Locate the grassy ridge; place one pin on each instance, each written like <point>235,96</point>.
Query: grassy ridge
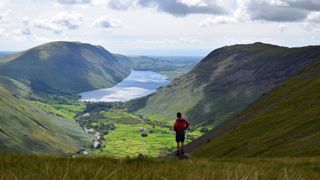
<point>284,122</point>
<point>35,167</point>
<point>226,81</point>
<point>64,68</point>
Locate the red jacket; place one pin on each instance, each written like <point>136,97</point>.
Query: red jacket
<point>180,125</point>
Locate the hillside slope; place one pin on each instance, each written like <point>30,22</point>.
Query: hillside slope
<point>284,122</point>
<point>64,68</point>
<point>27,129</point>
<point>225,82</point>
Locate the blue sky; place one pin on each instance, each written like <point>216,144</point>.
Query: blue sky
<point>159,27</point>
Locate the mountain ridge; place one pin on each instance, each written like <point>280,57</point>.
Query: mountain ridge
<point>45,67</point>
<point>226,81</point>
<point>277,124</point>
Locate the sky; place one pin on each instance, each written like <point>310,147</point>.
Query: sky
<point>159,27</point>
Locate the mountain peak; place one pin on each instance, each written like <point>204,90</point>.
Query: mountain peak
<point>46,67</point>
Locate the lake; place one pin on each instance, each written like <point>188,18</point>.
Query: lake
<point>137,84</point>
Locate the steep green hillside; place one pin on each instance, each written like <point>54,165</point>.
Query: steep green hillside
<point>25,128</point>
<point>284,122</point>
<point>225,82</point>
<point>64,68</point>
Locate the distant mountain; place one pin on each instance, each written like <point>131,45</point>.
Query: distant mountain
<point>5,53</point>
<point>284,122</point>
<point>64,68</point>
<point>27,129</point>
<point>172,67</point>
<point>225,82</point>
<point>144,63</point>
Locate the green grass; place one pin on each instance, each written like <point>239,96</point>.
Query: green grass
<point>41,167</point>
<point>126,140</point>
<point>26,128</point>
<point>119,115</point>
<point>62,110</point>
<point>284,122</point>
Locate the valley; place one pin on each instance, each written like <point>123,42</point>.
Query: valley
<point>250,106</point>
<point>121,134</point>
<point>109,128</point>
<point>160,89</point>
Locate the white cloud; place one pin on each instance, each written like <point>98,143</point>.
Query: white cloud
<point>210,21</point>
<point>312,27</point>
<point>72,2</point>
<point>314,17</point>
<point>107,22</point>
<point>69,20</point>
<point>186,40</point>
<point>123,4</point>
<point>47,25</point>
<point>178,41</point>
<point>61,22</point>
<point>24,33</point>
<point>25,21</point>
<point>198,3</point>
<point>282,27</point>
<point>16,34</point>
<point>4,11</point>
<point>239,14</point>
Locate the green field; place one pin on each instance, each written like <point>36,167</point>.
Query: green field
<point>40,167</point>
<point>66,111</point>
<point>126,140</point>
<point>123,135</point>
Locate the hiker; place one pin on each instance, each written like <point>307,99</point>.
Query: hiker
<point>179,127</point>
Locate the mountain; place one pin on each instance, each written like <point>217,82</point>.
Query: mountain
<point>284,122</point>
<point>144,63</point>
<point>225,82</point>
<point>63,68</point>
<point>171,66</point>
<point>5,53</point>
<point>27,129</point>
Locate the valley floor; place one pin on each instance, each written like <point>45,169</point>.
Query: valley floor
<point>40,167</point>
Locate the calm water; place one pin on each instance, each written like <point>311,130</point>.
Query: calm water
<point>137,84</point>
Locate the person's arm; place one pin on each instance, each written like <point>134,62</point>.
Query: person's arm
<point>174,126</point>
<point>187,125</point>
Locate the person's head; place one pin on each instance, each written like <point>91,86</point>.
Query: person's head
<point>179,115</point>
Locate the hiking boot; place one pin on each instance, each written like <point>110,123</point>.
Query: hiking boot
<point>182,152</point>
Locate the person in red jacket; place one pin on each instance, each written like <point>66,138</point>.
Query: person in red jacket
<point>179,127</point>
